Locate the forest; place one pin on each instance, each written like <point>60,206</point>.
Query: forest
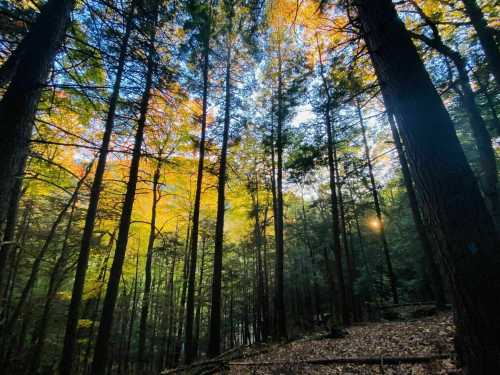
<point>249,187</point>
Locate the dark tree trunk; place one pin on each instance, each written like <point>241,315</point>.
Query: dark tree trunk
<point>14,260</point>
<point>19,103</point>
<point>361,243</point>
<point>104,334</point>
<point>351,273</point>
<point>279,299</point>
<point>189,345</point>
<point>199,293</point>
<point>450,193</point>
<point>487,158</point>
<point>215,312</point>
<point>56,277</point>
<point>68,351</point>
<point>182,302</point>
<point>342,311</point>
<point>39,258</point>
<point>8,240</point>
<point>378,211</point>
<point>261,303</point>
<point>101,277</point>
<point>266,316</point>
<point>431,265</point>
<point>486,36</point>
<point>275,211</point>
<point>170,308</point>
<point>149,263</point>
<point>132,312</point>
<point>315,297</point>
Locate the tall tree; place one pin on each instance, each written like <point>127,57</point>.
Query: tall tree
<point>215,312</point>
<point>342,312</point>
<point>449,190</point>
<point>103,336</point>
<point>205,30</point>
<point>19,103</point>
<point>378,208</point>
<point>482,137</point>
<point>279,298</point>
<point>147,271</point>
<point>486,36</point>
<point>66,362</point>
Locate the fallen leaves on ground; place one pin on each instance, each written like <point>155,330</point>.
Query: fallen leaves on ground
<point>427,336</point>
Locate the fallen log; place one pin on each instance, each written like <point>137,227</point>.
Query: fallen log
<point>425,303</point>
<point>194,366</point>
<point>345,360</point>
<point>218,361</point>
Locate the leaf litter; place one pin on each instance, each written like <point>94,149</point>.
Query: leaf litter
<point>423,337</point>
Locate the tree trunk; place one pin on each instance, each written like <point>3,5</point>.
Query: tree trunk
<point>215,312</point>
<point>432,267</point>
<point>185,276</point>
<point>450,193</point>
<point>103,336</point>
<point>149,263</point>
<point>342,312</point>
<point>134,309</point>
<point>8,239</point>
<point>490,101</point>
<point>39,258</point>
<point>315,297</point>
<point>378,211</point>
<point>19,103</point>
<point>200,296</point>
<point>487,158</point>
<point>189,345</point>
<point>68,351</point>
<point>56,277</point>
<point>279,299</point>
<point>351,274</point>
<point>101,278</point>
<point>486,36</point>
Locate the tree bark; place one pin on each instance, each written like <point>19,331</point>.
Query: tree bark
<point>279,298</point>
<point>215,311</point>
<point>104,334</point>
<point>189,345</point>
<point>450,193</point>
<point>19,103</point>
<point>342,312</point>
<point>378,211</point>
<point>185,276</point>
<point>486,36</point>
<point>68,351</point>
<point>56,277</point>
<point>200,296</point>
<point>149,263</point>
<point>487,158</point>
<point>8,239</point>
<point>39,258</point>
<point>431,265</point>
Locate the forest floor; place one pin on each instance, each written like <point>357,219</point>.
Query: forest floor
<point>430,336</point>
